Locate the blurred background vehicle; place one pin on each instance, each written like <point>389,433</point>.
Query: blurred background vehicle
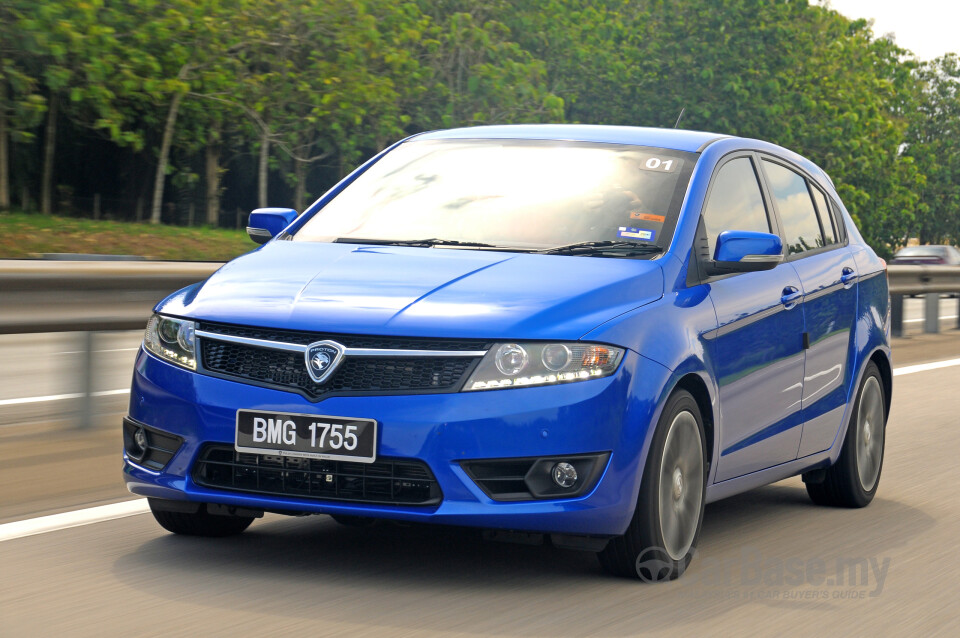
<point>929,255</point>
<point>939,255</point>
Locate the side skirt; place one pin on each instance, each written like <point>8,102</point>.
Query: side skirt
<point>723,489</point>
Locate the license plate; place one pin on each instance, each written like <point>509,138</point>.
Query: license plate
<point>307,436</point>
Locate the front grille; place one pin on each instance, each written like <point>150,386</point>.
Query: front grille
<point>387,481</point>
<point>287,370</point>
<point>351,341</point>
<point>261,365</point>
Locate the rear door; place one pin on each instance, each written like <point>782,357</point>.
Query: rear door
<point>818,251</point>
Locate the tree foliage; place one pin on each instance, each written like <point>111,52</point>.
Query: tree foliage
<point>933,142</point>
<point>273,100</point>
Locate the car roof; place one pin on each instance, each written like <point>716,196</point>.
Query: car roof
<point>675,139</point>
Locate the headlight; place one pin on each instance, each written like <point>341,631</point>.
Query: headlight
<point>172,340</point>
<point>510,365</point>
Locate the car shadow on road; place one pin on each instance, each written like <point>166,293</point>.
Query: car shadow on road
<point>426,578</point>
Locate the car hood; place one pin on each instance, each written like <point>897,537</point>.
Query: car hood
<point>411,291</point>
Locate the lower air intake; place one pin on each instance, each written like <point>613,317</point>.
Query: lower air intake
<point>387,481</point>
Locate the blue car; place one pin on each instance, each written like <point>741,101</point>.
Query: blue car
<point>581,333</point>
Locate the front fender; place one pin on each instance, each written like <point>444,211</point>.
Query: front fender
<point>675,332</point>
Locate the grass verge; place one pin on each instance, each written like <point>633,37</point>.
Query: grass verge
<point>26,235</point>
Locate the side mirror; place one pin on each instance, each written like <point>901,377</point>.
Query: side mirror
<point>746,251</point>
<point>266,223</point>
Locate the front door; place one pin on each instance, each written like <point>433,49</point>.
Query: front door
<point>758,347</point>
<point>759,361</point>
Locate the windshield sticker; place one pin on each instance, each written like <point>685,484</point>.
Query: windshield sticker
<point>648,217</point>
<point>659,164</point>
<point>626,232</point>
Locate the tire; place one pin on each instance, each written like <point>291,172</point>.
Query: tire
<point>675,464</point>
<point>853,480</point>
<point>200,523</point>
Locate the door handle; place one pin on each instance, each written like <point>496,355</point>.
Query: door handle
<point>790,297</point>
<point>848,276</point>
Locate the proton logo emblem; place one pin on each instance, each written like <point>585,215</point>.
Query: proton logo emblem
<point>320,361</point>
<point>322,358</point>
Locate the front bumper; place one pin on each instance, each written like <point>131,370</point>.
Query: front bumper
<point>612,415</point>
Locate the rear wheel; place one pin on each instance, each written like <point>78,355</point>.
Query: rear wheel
<point>200,523</point>
<point>661,539</point>
<point>852,481</point>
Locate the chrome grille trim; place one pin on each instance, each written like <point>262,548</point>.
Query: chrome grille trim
<point>347,352</point>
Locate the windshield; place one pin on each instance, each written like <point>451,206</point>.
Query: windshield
<point>519,194</point>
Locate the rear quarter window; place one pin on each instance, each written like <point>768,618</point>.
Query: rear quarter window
<point>830,233</point>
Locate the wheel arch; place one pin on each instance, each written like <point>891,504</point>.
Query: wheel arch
<point>880,356</point>
<point>882,361</point>
<point>695,385</point>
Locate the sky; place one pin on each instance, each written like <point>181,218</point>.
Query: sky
<point>929,28</point>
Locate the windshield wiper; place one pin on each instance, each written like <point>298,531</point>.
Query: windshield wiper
<point>609,246</point>
<point>426,243</point>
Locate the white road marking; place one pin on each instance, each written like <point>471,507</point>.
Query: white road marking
<point>60,397</point>
<point>918,320</point>
<point>132,349</point>
<point>923,367</point>
<point>54,522</point>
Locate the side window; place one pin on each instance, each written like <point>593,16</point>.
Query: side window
<point>799,218</point>
<point>735,202</point>
<point>838,220</point>
<point>826,217</point>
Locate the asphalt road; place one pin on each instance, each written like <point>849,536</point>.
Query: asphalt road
<point>770,562</point>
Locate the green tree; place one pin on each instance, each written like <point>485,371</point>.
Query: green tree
<point>933,141</point>
<point>313,87</point>
<point>479,75</point>
<point>73,64</point>
<point>21,106</point>
<point>798,75</point>
<point>53,42</point>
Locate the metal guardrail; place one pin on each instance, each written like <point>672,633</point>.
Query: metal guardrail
<point>87,297</point>
<point>90,296</point>
<point>918,280</point>
<point>65,296</point>
<point>930,281</point>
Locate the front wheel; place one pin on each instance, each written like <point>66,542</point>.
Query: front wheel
<point>852,481</point>
<point>661,539</point>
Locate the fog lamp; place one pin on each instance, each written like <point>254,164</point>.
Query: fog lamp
<point>139,440</point>
<point>564,474</point>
